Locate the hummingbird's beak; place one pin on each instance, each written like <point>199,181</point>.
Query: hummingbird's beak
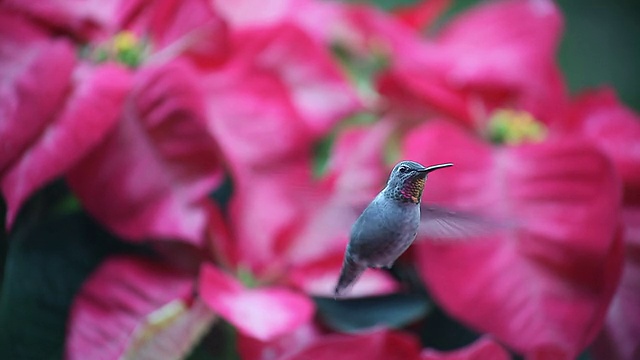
<point>435,167</point>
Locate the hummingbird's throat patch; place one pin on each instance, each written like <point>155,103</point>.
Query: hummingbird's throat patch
<point>412,190</point>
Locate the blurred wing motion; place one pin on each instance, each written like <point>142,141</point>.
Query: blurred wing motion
<point>438,223</point>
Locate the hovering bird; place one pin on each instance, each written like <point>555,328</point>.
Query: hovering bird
<point>389,224</point>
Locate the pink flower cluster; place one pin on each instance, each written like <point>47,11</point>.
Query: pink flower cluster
<point>145,107</point>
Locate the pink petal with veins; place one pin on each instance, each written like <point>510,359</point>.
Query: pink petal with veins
<point>36,75</point>
<point>152,175</point>
<point>90,113</point>
<point>115,301</point>
<point>262,313</point>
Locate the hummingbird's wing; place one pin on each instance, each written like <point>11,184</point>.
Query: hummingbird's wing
<point>442,223</point>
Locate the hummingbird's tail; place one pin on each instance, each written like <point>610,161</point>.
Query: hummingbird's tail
<point>348,275</point>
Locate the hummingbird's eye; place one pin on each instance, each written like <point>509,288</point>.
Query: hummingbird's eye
<point>403,169</point>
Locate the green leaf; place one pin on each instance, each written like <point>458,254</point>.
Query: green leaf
<point>393,311</point>
<point>444,333</point>
<point>47,262</point>
<point>219,344</point>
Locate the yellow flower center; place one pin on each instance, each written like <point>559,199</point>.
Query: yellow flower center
<point>124,41</point>
<point>515,127</point>
<point>125,47</point>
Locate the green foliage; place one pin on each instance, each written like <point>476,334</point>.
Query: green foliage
<point>46,265</point>
<point>444,333</point>
<point>51,250</point>
<point>600,46</point>
<point>220,343</point>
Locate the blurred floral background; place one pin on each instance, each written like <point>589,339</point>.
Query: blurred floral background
<point>179,178</point>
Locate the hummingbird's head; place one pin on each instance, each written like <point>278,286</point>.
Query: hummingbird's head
<point>407,179</point>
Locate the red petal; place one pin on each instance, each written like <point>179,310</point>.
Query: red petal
<point>615,129</point>
<point>283,80</point>
<point>152,175</point>
<point>483,349</point>
<point>381,344</point>
<point>261,313</point>
<point>114,304</point>
<point>542,287</point>
<point>91,111</point>
<point>36,75</point>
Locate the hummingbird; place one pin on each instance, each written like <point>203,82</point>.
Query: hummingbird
<point>389,224</point>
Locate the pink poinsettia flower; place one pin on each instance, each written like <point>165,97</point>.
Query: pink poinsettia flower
<point>132,142</point>
<point>49,125</point>
<point>310,343</point>
<point>554,266</point>
<point>499,52</point>
<point>542,285</point>
<point>299,247</point>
